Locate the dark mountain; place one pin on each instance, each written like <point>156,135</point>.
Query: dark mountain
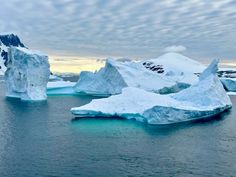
<point>11,40</point>
<point>6,41</point>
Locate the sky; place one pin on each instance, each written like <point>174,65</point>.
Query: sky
<point>92,29</point>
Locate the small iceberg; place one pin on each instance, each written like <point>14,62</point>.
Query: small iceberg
<point>61,88</point>
<point>204,99</point>
<point>54,78</point>
<point>229,84</point>
<point>169,73</point>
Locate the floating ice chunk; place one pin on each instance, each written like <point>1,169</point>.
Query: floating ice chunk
<point>54,78</point>
<point>60,84</point>
<point>61,88</point>
<point>204,99</point>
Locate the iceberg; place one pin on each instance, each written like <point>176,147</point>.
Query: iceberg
<point>229,84</point>
<point>11,40</point>
<point>157,75</point>
<point>228,79</point>
<point>54,78</point>
<point>27,74</point>
<point>203,99</point>
<point>61,88</point>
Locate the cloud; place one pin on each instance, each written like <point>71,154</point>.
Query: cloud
<point>102,28</point>
<point>123,59</point>
<point>175,48</point>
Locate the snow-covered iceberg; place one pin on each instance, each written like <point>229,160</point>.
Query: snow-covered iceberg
<point>204,99</point>
<point>27,74</point>
<point>169,73</point>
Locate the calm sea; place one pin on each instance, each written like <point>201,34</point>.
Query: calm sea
<point>43,139</point>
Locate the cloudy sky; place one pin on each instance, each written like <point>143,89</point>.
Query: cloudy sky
<point>123,28</point>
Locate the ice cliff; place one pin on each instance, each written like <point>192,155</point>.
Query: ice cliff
<point>27,74</point>
<point>169,73</point>
<point>203,99</point>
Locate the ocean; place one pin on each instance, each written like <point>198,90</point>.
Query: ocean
<point>44,139</point>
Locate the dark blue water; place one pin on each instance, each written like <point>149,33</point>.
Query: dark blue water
<point>41,139</point>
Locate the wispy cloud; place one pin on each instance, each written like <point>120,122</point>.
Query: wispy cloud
<point>119,28</point>
<point>175,48</point>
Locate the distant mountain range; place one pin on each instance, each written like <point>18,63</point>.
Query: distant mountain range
<point>6,41</point>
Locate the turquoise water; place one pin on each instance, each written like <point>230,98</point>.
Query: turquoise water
<point>43,139</point>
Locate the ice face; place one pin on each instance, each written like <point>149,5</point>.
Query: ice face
<point>27,74</point>
<point>108,81</point>
<point>204,99</point>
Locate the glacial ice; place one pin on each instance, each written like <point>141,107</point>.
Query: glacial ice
<point>229,84</point>
<point>27,74</point>
<point>203,99</point>
<point>169,73</point>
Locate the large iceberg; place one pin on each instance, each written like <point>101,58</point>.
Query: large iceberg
<point>204,99</point>
<point>27,74</point>
<point>169,73</point>
<point>11,40</point>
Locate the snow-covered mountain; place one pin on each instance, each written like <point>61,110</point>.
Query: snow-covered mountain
<point>173,62</point>
<point>6,41</point>
<point>175,66</point>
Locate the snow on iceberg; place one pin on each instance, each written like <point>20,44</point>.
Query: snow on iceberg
<point>27,74</point>
<point>204,99</point>
<point>148,75</point>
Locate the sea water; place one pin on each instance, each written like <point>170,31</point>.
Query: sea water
<point>44,139</point>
